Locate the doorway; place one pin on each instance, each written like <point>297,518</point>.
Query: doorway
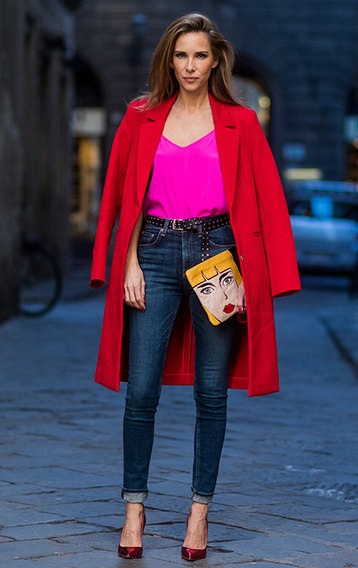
<point>351,134</point>
<point>88,129</point>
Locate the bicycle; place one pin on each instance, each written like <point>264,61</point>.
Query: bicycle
<point>40,279</point>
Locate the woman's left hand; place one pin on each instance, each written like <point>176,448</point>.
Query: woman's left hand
<point>134,284</point>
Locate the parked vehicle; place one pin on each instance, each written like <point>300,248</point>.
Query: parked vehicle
<point>324,218</point>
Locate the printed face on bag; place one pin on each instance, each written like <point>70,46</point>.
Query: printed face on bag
<point>219,293</point>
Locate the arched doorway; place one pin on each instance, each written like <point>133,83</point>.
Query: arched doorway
<point>351,134</point>
<point>250,86</point>
<point>256,97</point>
<point>88,127</point>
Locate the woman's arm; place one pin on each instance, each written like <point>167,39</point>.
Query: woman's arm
<point>134,283</point>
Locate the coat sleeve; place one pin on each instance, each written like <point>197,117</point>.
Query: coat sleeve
<point>111,198</point>
<point>275,221</point>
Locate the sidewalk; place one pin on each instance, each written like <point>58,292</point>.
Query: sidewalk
<point>288,486</point>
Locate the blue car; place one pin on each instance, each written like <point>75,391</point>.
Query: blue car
<point>324,218</point>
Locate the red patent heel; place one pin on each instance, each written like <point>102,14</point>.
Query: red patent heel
<point>132,551</point>
<point>192,554</point>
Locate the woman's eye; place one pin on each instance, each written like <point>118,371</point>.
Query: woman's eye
<point>180,55</point>
<point>202,55</point>
<point>227,280</point>
<point>207,290</point>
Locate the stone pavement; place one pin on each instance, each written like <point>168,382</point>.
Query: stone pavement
<point>287,494</point>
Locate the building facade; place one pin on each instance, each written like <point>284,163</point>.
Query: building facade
<point>36,49</point>
<point>297,64</point>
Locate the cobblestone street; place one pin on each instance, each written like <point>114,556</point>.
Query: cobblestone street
<point>288,488</point>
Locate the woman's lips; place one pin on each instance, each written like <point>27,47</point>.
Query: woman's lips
<point>229,308</point>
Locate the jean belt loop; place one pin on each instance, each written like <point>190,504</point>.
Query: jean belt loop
<point>200,229</point>
<point>165,228</point>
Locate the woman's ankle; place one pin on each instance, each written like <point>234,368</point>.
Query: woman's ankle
<point>134,510</point>
<point>199,510</point>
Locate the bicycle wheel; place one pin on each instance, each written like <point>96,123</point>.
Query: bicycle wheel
<point>41,281</point>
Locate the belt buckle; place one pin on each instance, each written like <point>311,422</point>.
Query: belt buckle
<point>174,224</point>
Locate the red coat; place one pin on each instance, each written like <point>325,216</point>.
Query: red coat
<point>262,230</point>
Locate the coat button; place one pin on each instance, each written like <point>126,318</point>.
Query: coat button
<point>241,257</point>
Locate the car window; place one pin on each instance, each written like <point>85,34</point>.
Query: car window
<point>301,208</point>
<point>324,207</point>
<point>346,210</point>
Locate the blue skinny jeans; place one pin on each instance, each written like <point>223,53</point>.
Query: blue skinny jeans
<point>164,255</point>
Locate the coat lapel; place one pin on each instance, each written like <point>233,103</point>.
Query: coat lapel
<point>227,139</point>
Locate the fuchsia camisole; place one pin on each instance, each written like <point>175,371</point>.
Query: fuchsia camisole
<point>186,181</point>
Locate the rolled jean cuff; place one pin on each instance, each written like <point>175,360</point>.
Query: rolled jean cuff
<point>134,496</point>
<point>203,499</point>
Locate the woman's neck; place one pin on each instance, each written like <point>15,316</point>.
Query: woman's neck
<point>192,102</point>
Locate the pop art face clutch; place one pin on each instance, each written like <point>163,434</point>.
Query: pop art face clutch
<point>216,281</point>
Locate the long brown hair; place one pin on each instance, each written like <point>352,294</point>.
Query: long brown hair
<point>162,81</point>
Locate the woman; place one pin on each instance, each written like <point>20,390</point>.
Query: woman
<point>192,175</point>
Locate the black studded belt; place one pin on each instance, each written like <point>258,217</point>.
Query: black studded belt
<point>201,224</point>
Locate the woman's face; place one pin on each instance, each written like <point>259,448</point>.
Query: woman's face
<point>193,61</point>
<point>219,294</point>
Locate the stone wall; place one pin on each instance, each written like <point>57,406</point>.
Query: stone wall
<point>10,154</point>
<point>36,46</point>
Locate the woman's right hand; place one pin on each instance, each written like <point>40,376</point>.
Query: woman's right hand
<point>134,284</point>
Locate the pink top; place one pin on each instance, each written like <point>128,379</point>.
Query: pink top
<point>186,180</point>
